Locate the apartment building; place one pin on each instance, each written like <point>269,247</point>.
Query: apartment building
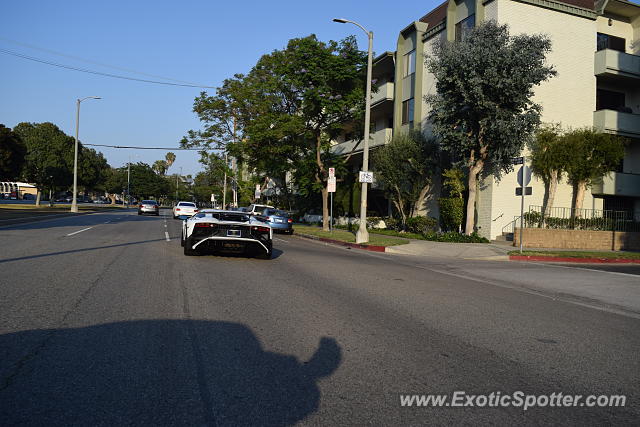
<point>596,52</point>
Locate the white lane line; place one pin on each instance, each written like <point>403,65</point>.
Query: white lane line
<point>165,226</point>
<point>166,234</point>
<point>279,240</point>
<point>79,231</point>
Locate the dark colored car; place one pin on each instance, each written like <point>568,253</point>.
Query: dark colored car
<point>279,220</point>
<point>149,206</point>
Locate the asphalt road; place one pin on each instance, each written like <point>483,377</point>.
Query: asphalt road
<point>103,321</point>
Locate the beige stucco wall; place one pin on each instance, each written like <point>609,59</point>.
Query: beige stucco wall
<point>569,99</point>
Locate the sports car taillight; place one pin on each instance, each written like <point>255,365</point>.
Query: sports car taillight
<point>205,225</point>
<point>260,229</point>
<point>177,209</point>
<point>289,220</point>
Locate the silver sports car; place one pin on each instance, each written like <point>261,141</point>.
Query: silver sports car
<point>228,232</point>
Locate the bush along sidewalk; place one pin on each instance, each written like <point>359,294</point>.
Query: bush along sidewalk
<point>419,228</point>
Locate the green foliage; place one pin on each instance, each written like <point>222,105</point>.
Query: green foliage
<point>451,212</point>
<point>160,167</point>
<point>547,154</point>
<point>605,223</point>
<point>405,167</point>
<point>49,159</point>
<point>482,109</point>
<point>455,237</point>
<point>421,224</point>
<point>285,111</point>
<point>590,154</point>
<point>92,169</point>
<point>144,182</point>
<point>12,154</point>
<point>453,182</point>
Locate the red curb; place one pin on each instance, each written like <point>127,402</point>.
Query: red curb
<point>579,260</point>
<point>372,248</point>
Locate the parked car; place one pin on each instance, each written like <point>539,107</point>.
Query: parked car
<point>278,220</point>
<point>255,209</point>
<point>226,232</point>
<point>184,209</point>
<point>149,206</point>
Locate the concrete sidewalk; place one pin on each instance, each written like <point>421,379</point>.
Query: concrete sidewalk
<point>488,251</point>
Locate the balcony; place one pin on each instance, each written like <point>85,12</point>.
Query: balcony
<point>619,123</point>
<point>613,63</point>
<point>617,184</point>
<point>378,138</point>
<point>384,93</point>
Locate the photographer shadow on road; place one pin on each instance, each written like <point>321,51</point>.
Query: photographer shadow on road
<point>157,372</point>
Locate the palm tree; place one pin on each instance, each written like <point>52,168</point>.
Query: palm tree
<point>160,167</point>
<point>169,159</point>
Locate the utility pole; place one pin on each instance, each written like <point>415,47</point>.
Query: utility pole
<point>129,183</point>
<point>234,167</point>
<point>224,187</point>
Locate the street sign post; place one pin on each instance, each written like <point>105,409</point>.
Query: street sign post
<point>331,188</point>
<point>524,178</point>
<point>257,193</point>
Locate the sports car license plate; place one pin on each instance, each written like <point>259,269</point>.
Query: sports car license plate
<point>234,233</point>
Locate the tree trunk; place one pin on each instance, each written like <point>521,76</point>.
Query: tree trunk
<point>38,195</point>
<point>325,209</point>
<point>474,170</point>
<point>550,188</point>
<point>579,189</point>
<point>113,198</point>
<point>402,214</point>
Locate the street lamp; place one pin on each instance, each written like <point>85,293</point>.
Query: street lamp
<point>74,202</point>
<point>362,236</point>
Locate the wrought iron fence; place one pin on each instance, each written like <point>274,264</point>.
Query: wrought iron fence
<point>580,219</point>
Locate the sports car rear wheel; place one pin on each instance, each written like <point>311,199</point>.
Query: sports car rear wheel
<point>188,251</point>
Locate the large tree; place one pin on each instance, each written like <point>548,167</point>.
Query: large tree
<point>589,155</point>
<point>288,108</point>
<point>482,109</point>
<point>12,154</point>
<point>547,161</point>
<point>49,159</point>
<point>406,167</point>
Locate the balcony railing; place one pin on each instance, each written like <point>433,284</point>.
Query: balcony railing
<point>624,124</point>
<point>617,184</point>
<point>385,93</point>
<point>617,63</point>
<point>379,137</point>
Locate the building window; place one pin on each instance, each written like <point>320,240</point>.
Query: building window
<point>610,100</point>
<point>409,63</point>
<point>605,41</point>
<point>464,27</point>
<point>407,111</point>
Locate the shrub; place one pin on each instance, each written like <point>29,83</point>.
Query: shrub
<point>451,212</point>
<point>421,224</point>
<point>454,237</point>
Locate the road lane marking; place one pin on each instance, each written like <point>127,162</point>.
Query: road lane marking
<point>166,235</point>
<point>279,240</point>
<point>79,231</point>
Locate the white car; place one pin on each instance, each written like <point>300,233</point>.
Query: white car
<point>184,209</point>
<point>227,231</point>
<point>255,209</point>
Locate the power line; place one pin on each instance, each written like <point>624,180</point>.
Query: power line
<point>30,46</point>
<point>144,148</point>
<point>84,70</point>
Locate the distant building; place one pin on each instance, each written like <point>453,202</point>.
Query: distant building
<point>19,189</point>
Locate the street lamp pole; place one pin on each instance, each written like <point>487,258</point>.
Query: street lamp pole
<point>362,235</point>
<point>74,201</point>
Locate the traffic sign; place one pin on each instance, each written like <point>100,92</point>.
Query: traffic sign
<point>527,191</point>
<point>517,160</point>
<point>332,172</point>
<point>331,184</point>
<point>526,172</point>
<point>213,197</point>
<point>366,177</point>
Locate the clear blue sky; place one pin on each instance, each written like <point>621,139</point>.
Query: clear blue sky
<point>196,41</point>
